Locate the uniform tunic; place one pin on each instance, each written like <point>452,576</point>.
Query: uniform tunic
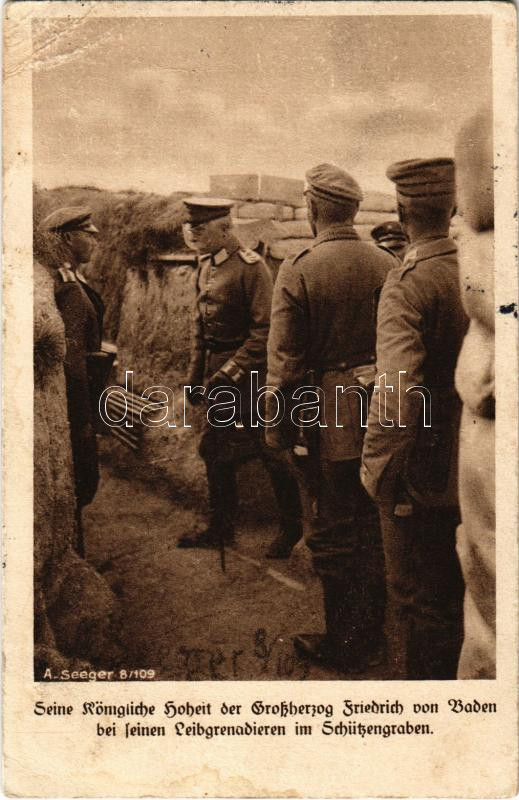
<point>231,324</point>
<point>82,311</point>
<point>323,320</point>
<point>232,312</point>
<point>410,467</point>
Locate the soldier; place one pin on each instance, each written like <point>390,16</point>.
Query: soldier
<point>232,315</point>
<point>323,323</point>
<point>71,240</point>
<point>390,236</point>
<point>409,457</point>
<point>475,383</point>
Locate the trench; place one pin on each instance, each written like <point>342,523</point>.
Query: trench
<point>181,617</point>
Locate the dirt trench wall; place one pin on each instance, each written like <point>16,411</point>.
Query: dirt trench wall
<point>154,343</point>
<point>73,606</point>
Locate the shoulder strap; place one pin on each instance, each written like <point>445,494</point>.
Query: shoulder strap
<point>249,256</point>
<point>67,276</point>
<point>300,254</point>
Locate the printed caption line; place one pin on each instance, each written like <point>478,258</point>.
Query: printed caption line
<point>273,573</point>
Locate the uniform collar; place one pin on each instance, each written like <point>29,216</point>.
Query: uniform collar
<point>222,255</point>
<point>81,278</point>
<point>67,273</point>
<point>215,258</point>
<point>334,232</point>
<point>429,248</point>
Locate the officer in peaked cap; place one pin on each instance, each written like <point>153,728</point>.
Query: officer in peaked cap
<point>71,241</point>
<point>390,236</point>
<point>231,324</point>
<point>410,448</point>
<point>71,218</point>
<point>204,209</point>
<point>323,333</point>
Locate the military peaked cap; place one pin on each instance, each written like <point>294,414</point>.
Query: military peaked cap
<point>69,218</point>
<point>205,209</point>
<point>330,182</point>
<point>431,180</point>
<point>388,231</point>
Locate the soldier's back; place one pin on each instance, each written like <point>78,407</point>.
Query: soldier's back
<point>341,277</point>
<point>428,282</point>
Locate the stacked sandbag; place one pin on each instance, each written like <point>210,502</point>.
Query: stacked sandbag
<point>280,204</point>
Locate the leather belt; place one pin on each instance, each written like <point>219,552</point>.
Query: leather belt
<point>354,361</point>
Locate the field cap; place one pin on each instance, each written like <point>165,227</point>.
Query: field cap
<point>389,233</point>
<point>429,180</point>
<point>205,209</point>
<point>330,182</point>
<point>69,218</point>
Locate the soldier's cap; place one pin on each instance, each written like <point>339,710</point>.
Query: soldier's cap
<point>429,180</point>
<point>330,182</point>
<point>390,231</point>
<point>69,218</point>
<point>205,209</point>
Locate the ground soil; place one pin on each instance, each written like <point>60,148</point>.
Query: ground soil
<point>181,616</point>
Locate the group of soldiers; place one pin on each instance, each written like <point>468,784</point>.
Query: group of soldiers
<point>341,313</point>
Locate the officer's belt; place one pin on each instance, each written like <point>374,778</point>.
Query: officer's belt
<point>361,359</point>
<point>222,347</point>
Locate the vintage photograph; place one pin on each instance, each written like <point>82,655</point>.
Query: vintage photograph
<point>263,312</point>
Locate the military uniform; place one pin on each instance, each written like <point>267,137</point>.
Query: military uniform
<point>231,322</point>
<point>323,321</point>
<point>410,466</point>
<point>390,236</point>
<point>82,310</point>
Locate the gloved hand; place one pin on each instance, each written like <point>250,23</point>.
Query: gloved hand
<point>195,396</point>
<point>195,378</point>
<point>218,379</point>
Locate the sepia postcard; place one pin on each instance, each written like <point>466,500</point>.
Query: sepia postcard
<point>260,399</point>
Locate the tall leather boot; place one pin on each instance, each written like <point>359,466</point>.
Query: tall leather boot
<point>222,509</point>
<point>354,623</point>
<point>433,653</point>
<point>285,541</point>
<point>350,644</point>
<point>286,490</point>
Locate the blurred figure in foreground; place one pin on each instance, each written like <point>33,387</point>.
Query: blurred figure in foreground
<point>475,384</point>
